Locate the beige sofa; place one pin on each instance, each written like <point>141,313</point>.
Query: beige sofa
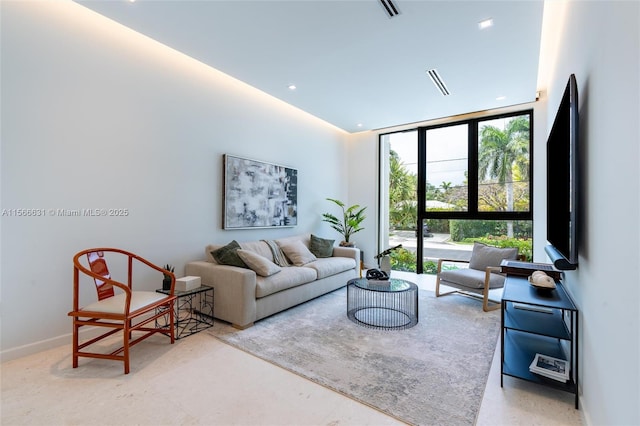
<point>243,296</point>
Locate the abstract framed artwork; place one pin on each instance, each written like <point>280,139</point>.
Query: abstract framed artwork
<point>259,194</point>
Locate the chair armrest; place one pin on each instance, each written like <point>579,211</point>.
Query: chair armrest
<point>487,274</point>
<point>157,268</point>
<point>350,252</point>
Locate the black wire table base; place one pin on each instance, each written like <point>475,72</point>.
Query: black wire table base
<point>386,307</point>
<point>193,311</point>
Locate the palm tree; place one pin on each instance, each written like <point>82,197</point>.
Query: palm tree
<point>500,152</point>
<point>402,193</point>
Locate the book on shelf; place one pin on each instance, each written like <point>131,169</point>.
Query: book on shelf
<point>524,269</point>
<point>548,366</point>
<point>533,308</point>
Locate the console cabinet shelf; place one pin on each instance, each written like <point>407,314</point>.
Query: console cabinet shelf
<point>538,321</point>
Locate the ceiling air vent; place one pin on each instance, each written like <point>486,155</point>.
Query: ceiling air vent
<point>437,80</point>
<point>390,8</point>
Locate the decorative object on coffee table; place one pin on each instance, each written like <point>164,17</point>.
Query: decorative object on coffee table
<point>352,217</point>
<point>384,259</point>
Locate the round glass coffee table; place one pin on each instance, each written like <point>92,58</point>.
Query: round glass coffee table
<point>388,305</point>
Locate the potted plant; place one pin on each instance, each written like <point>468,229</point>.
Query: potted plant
<point>352,217</point>
<point>166,282</point>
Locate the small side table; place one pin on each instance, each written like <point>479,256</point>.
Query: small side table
<point>193,310</point>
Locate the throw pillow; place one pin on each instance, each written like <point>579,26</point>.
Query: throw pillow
<point>321,247</point>
<point>227,255</point>
<point>484,255</point>
<point>297,253</point>
<point>260,264</point>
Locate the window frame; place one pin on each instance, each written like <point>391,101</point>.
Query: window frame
<point>472,212</point>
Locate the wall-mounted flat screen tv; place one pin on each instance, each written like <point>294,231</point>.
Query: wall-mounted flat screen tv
<point>563,179</point>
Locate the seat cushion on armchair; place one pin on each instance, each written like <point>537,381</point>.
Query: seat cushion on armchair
<point>484,255</point>
<point>116,304</point>
<point>470,279</point>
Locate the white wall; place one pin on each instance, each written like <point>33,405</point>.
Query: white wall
<point>363,189</point>
<point>97,116</point>
<point>599,43</point>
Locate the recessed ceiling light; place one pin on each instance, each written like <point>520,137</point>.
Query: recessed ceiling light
<point>292,87</point>
<point>359,124</point>
<point>485,24</point>
<point>501,98</point>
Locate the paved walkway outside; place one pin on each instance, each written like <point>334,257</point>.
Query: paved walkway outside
<point>438,246</point>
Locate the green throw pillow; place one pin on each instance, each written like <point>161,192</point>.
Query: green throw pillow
<point>321,247</point>
<point>227,255</point>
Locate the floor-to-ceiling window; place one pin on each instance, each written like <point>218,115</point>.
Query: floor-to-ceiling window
<point>449,185</point>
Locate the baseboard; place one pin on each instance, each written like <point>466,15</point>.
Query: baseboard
<point>33,348</point>
<point>44,345</point>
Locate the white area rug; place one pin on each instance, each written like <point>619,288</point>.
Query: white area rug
<point>432,374</point>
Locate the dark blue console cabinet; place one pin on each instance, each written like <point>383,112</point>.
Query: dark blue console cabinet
<point>538,321</point>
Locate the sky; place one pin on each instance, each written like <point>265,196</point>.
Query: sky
<point>446,151</point>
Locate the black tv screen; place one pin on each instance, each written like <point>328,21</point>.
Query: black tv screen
<point>563,182</point>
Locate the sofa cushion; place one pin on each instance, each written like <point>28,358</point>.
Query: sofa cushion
<point>258,247</point>
<point>297,252</point>
<point>227,255</point>
<point>260,264</point>
<point>484,255</point>
<point>325,267</point>
<point>321,247</point>
<point>470,278</point>
<point>292,276</point>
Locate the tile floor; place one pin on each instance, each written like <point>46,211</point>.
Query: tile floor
<point>225,386</point>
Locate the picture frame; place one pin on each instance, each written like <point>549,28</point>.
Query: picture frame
<point>258,194</point>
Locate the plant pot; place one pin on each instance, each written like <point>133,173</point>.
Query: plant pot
<point>347,244</point>
<point>166,284</point>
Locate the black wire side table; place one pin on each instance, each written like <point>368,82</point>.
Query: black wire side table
<point>193,310</point>
<point>387,305</point>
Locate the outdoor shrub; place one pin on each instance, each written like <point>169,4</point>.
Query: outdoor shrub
<point>524,245</point>
<point>403,260</point>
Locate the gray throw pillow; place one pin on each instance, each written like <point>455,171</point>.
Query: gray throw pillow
<point>484,255</point>
<point>321,247</point>
<point>227,255</point>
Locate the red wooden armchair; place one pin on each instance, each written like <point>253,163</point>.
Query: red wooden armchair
<point>127,311</point>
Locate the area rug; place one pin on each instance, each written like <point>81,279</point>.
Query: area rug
<point>432,374</point>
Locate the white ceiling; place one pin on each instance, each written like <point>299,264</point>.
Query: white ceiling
<point>351,63</point>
